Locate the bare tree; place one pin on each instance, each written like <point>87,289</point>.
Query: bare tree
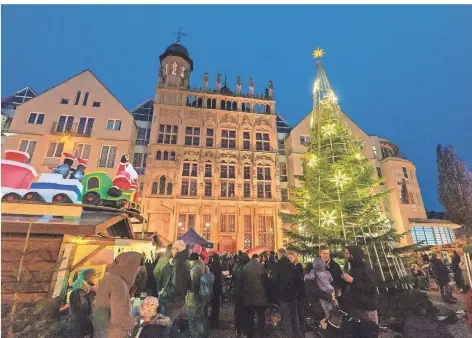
<point>455,188</point>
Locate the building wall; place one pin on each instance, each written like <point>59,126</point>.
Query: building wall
<point>231,222</point>
<point>52,130</point>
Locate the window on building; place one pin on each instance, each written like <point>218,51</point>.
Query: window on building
<point>167,134</point>
<point>209,137</point>
<point>192,136</point>
<point>113,124</point>
<point>304,140</point>
<point>374,150</point>
<point>155,188</point>
<point>247,190</point>
<point>82,151</point>
<point>36,118</point>
<point>264,189</point>
<point>84,102</point>
<point>137,160</point>
<point>405,172</point>
<point>55,150</point>
<point>64,101</point>
<point>284,194</point>
<point>228,171</point>
<point>85,125</point>
<point>208,188</point>
<point>96,104</point>
<point>143,135</point>
<point>247,172</point>
<point>64,124</point>
<point>28,146</point>
<point>107,157</point>
<point>281,145</point>
<point>227,223</point>
<point>283,172</point>
<point>247,232</point>
<point>228,139</point>
<point>162,186</point>
<point>433,235</point>
<point>228,176</point>
<point>186,222</point>
<point>189,179</point>
<point>246,140</point>
<point>207,227</point>
<point>77,99</point>
<point>262,142</point>
<point>266,231</point>
<point>412,198</point>
<point>418,198</point>
<point>207,169</point>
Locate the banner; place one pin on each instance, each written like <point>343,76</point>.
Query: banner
<point>146,248</point>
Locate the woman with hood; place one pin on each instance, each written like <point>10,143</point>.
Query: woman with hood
<point>238,291</point>
<point>81,302</point>
<point>112,317</point>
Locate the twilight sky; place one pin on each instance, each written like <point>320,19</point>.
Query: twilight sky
<point>400,72</point>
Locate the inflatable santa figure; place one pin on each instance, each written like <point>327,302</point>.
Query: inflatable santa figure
<point>65,168</point>
<point>78,174</point>
<point>125,179</point>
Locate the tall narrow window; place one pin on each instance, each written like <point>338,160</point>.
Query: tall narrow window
<point>189,179</point>
<point>247,172</point>
<point>264,182</point>
<point>228,180</point>
<point>107,157</point>
<point>247,190</point>
<point>284,194</point>
<point>207,169</point>
<point>266,231</point>
<point>283,172</point>
<point>192,136</point>
<point>209,137</point>
<point>262,142</point>
<point>227,223</point>
<point>55,150</point>
<point>82,151</point>
<point>154,188</point>
<point>228,139</point>
<point>405,172</point>
<point>167,134</point>
<point>137,160</point>
<point>246,140</point>
<point>162,185</point>
<point>77,99</point>
<point>85,126</point>
<point>84,102</point>
<point>28,146</point>
<point>208,188</point>
<point>207,227</point>
<point>186,222</point>
<point>247,232</point>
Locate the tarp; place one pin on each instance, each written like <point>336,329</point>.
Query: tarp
<point>191,237</point>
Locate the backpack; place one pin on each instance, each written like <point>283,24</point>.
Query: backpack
<point>206,286</point>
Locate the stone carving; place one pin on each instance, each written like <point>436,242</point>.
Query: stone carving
<point>229,118</point>
<point>174,68</point>
<point>261,121</point>
<point>238,86</point>
<point>167,113</point>
<point>192,115</point>
<point>264,158</point>
<point>246,158</point>
<point>247,120</point>
<point>210,117</point>
<point>208,154</point>
<point>218,81</point>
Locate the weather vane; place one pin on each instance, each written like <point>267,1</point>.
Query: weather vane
<point>318,53</point>
<point>180,34</point>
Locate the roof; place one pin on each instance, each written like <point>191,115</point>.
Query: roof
<point>431,222</point>
<point>282,125</point>
<point>144,111</point>
<point>177,49</point>
<point>19,97</point>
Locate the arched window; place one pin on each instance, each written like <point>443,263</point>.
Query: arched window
<point>213,104</point>
<point>166,155</point>
<point>235,106</point>
<point>209,103</point>
<point>93,183</point>
<point>159,155</point>
<point>154,188</point>
<point>267,109</point>
<point>228,105</point>
<point>199,102</point>
<point>223,104</point>
<point>169,188</point>
<point>172,156</point>
<point>162,185</point>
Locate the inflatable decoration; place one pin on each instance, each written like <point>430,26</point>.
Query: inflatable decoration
<point>17,175</point>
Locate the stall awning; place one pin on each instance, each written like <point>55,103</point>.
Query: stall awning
<point>191,237</point>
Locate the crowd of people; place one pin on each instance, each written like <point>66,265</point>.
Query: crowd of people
<point>183,280</point>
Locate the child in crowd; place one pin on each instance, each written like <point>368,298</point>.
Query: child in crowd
<point>323,280</point>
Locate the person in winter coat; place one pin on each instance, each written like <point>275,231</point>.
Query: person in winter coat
<point>362,294</point>
<point>324,281</point>
<point>238,292</point>
<point>302,292</point>
<point>288,280</point>
<point>159,268</point>
<point>82,299</point>
<point>458,276</point>
<point>175,285</point>
<point>255,283</point>
<point>196,306</point>
<point>334,269</point>
<point>112,316</point>
<point>216,270</point>
<point>314,295</point>
<point>441,275</point>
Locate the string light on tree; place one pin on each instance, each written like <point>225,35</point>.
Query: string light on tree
<point>313,161</point>
<point>329,129</point>
<point>328,218</point>
<point>340,179</point>
<point>358,156</point>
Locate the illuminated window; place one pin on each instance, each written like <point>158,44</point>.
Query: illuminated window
<point>266,231</point>
<point>228,182</point>
<point>264,189</point>
<point>189,179</point>
<point>186,222</point>
<point>247,232</point>
<point>209,137</point>
<point>207,227</point>
<point>227,223</point>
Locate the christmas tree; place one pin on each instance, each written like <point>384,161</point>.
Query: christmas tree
<point>338,200</point>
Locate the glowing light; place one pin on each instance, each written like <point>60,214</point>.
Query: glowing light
<point>358,156</point>
<point>318,53</point>
<point>340,179</point>
<point>331,96</point>
<point>65,139</point>
<point>329,129</point>
<point>316,86</point>
<point>313,161</point>
<point>300,228</point>
<point>328,218</point>
<point>207,225</point>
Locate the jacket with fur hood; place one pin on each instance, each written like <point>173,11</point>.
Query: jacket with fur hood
<point>112,317</point>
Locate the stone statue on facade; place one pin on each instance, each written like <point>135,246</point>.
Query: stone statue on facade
<point>205,80</point>
<point>251,86</point>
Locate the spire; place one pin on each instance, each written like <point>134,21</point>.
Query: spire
<point>180,34</point>
<point>321,88</point>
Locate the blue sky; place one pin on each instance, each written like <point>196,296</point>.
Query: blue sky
<point>401,72</point>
